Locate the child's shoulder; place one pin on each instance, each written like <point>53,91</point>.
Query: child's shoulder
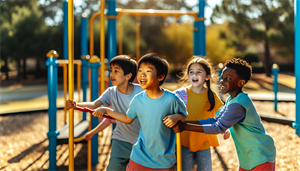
<point>242,98</point>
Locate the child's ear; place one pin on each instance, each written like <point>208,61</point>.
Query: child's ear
<point>128,76</point>
<point>161,77</point>
<point>241,83</point>
<point>207,77</point>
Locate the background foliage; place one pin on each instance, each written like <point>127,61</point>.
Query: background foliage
<point>29,29</point>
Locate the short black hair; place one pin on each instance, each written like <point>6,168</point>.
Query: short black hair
<point>127,64</point>
<point>159,62</point>
<point>242,68</point>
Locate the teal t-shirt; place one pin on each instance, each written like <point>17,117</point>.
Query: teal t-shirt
<point>155,147</point>
<point>253,144</point>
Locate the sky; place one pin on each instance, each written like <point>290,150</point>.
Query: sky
<point>208,8</point>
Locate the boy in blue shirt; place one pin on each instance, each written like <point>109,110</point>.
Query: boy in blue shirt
<point>255,147</point>
<point>155,146</point>
<point>123,72</point>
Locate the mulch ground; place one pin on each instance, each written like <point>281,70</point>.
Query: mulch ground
<point>24,143</point>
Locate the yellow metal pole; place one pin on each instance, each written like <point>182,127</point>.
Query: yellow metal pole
<point>102,45</point>
<point>120,38</point>
<point>71,81</point>
<point>179,155</point>
<point>138,23</point>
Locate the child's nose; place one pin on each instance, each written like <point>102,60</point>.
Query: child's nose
<point>143,74</point>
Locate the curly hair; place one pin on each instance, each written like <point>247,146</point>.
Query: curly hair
<point>242,67</point>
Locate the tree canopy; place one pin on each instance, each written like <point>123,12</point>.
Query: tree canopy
<point>260,21</point>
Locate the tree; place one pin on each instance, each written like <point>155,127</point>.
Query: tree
<point>254,20</point>
<point>7,8</point>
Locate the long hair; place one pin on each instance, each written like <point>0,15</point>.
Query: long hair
<point>205,63</point>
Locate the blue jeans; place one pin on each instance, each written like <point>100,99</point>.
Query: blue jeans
<point>202,158</point>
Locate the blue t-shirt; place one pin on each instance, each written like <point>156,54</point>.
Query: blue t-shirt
<point>156,142</point>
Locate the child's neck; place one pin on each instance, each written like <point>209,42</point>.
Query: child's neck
<point>126,88</point>
<point>233,94</point>
<point>155,93</point>
<point>198,89</point>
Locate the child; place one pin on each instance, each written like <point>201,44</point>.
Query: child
<point>255,148</point>
<point>123,71</point>
<point>155,146</point>
<point>201,103</point>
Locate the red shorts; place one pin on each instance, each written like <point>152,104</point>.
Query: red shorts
<point>265,166</point>
<point>133,166</point>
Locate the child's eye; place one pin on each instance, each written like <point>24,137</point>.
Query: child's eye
<point>199,72</point>
<point>191,72</point>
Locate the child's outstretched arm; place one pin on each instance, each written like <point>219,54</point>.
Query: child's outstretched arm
<point>101,126</point>
<point>180,126</point>
<point>122,117</point>
<point>92,105</point>
<point>171,120</point>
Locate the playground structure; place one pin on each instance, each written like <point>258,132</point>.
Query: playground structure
<point>94,63</point>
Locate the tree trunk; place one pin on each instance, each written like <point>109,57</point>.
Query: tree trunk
<point>18,70</point>
<point>37,69</point>
<point>6,68</point>
<point>24,69</point>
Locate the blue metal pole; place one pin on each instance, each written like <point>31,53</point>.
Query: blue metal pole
<point>52,96</point>
<point>83,51</point>
<point>95,92</point>
<point>112,31</point>
<point>84,80</point>
<point>201,29</point>
<point>196,39</point>
<point>275,70</point>
<point>296,124</point>
<point>65,29</point>
<point>83,35</point>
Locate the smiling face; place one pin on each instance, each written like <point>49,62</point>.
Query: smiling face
<point>197,75</point>
<point>117,76</point>
<point>147,76</point>
<point>230,82</point>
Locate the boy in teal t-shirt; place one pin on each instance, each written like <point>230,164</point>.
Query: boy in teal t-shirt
<point>255,147</point>
<point>155,147</point>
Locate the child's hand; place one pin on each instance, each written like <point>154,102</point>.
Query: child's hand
<point>99,112</point>
<point>88,136</point>
<point>226,134</point>
<point>70,104</point>
<point>170,120</point>
<point>179,127</point>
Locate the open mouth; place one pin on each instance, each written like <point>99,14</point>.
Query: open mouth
<point>194,80</point>
<point>112,79</point>
<point>142,82</point>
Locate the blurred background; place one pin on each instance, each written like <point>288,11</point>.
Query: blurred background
<point>260,31</point>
